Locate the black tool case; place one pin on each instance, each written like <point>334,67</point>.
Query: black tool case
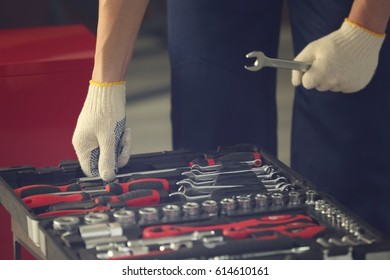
<point>233,203</point>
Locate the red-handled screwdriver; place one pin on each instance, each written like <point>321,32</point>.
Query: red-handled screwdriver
<point>42,200</point>
<point>143,197</point>
<point>30,190</point>
<point>140,184</point>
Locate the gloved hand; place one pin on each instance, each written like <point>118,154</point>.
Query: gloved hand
<point>101,139</point>
<point>343,61</point>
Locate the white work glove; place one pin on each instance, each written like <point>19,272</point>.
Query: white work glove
<point>101,139</point>
<point>343,61</point>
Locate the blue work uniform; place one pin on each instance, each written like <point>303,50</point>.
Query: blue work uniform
<point>340,142</point>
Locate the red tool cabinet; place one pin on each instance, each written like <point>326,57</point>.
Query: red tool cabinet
<point>44,74</point>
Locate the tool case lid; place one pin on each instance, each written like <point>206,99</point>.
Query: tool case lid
<point>41,50</point>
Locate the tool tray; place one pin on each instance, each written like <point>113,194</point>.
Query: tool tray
<point>233,203</point>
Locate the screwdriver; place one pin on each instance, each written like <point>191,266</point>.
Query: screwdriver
<point>45,189</point>
<point>132,198</point>
<point>42,200</point>
<point>140,184</point>
<point>142,197</point>
<point>115,188</point>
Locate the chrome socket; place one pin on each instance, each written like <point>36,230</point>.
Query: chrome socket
<point>294,198</point>
<point>228,204</point>
<point>67,223</point>
<point>277,199</point>
<point>311,197</point>
<point>191,208</point>
<point>148,214</point>
<point>100,230</point>
<point>244,202</point>
<point>318,205</point>
<point>171,211</point>
<point>125,217</point>
<point>96,218</point>
<point>261,200</point>
<point>210,207</point>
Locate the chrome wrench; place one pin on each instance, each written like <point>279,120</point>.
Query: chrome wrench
<point>263,61</point>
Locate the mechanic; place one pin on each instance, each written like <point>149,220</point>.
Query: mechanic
<point>340,141</point>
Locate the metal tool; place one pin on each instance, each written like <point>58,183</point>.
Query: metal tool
<point>193,236</point>
<point>100,230</point>
<point>210,176</point>
<point>66,223</point>
<point>172,230</point>
<point>182,195</point>
<point>263,61</point>
<point>204,188</point>
<point>191,208</point>
<point>171,211</point>
<point>124,217</point>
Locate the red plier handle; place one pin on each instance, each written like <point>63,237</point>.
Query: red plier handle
<point>294,229</point>
<point>171,230</point>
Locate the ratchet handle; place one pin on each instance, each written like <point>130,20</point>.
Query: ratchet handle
<point>172,230</point>
<point>295,229</point>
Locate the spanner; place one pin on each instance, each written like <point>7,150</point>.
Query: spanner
<point>208,176</point>
<point>264,61</point>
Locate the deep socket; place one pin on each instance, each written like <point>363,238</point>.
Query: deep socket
<point>294,198</point>
<point>261,200</point>
<point>277,199</point>
<point>311,197</point>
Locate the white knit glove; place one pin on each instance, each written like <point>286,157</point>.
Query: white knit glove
<point>101,139</point>
<point>343,61</point>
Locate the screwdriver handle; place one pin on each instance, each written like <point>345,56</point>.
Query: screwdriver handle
<point>140,184</point>
<point>134,198</point>
<point>30,190</point>
<point>41,200</point>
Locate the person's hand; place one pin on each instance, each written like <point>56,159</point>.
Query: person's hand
<point>343,61</point>
<point>101,139</point>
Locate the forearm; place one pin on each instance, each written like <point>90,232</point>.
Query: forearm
<point>371,14</point>
<point>118,26</point>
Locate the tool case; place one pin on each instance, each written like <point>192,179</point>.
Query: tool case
<point>235,202</point>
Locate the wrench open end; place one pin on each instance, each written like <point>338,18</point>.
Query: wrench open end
<point>259,62</point>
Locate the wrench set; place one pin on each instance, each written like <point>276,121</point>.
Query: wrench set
<point>234,203</point>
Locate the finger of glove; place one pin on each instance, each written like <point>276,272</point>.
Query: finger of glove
<point>87,151</point>
<point>307,55</point>
<point>296,78</point>
<point>107,160</point>
<point>109,145</point>
<point>125,148</point>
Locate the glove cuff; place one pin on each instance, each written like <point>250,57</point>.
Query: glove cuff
<point>358,40</point>
<point>367,39</point>
<point>350,22</point>
<point>104,98</point>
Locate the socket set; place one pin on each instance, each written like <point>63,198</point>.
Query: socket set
<point>234,203</point>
